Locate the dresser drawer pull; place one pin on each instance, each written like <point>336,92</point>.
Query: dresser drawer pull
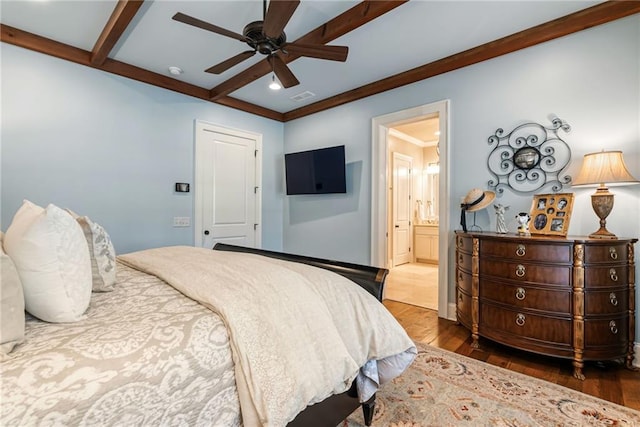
<point>520,319</point>
<point>520,270</point>
<point>520,294</point>
<point>613,327</point>
<point>612,253</point>
<point>613,275</point>
<point>614,299</point>
<point>460,259</point>
<point>459,296</point>
<point>521,251</point>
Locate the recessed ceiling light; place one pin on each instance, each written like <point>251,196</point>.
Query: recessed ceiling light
<point>176,71</point>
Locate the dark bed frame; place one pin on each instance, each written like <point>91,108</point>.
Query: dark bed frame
<point>333,410</point>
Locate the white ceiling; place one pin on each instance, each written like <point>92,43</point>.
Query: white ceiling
<point>413,34</point>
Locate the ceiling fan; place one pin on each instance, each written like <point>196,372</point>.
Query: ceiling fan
<point>268,38</point>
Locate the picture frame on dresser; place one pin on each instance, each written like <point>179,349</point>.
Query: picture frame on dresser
<point>551,214</point>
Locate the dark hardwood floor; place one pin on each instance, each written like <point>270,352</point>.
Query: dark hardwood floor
<point>609,381</point>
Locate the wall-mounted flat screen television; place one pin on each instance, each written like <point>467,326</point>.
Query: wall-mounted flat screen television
<point>320,171</point>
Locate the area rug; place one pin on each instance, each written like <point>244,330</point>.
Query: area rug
<point>442,388</point>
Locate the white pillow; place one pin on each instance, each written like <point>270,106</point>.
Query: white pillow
<point>52,258</point>
<point>101,252</point>
<point>11,304</point>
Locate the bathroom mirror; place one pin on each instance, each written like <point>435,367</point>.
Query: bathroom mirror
<point>431,183</point>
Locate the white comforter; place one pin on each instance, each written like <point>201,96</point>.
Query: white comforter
<point>298,333</point>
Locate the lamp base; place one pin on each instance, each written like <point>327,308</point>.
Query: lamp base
<point>603,233</point>
<point>602,203</point>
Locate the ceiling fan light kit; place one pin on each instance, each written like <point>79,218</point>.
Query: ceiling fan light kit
<point>268,38</point>
<point>274,85</point>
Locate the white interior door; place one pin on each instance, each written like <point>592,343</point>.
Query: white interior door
<point>401,208</point>
<point>227,189</point>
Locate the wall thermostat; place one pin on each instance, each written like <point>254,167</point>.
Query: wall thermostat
<point>182,187</point>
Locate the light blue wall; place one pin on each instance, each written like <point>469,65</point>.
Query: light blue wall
<point>112,148</point>
<point>590,79</point>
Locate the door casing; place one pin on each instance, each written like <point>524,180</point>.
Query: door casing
<point>379,192</point>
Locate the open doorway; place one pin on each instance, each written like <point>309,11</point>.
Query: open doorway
<point>430,188</point>
<point>413,278</point>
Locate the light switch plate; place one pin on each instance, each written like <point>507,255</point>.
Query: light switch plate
<point>181,221</point>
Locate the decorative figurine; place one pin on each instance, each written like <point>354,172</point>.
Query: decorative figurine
<point>501,224</point>
<point>523,223</point>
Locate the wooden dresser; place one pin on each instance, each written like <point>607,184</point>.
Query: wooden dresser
<point>565,297</point>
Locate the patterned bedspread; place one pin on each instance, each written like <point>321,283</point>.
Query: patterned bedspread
<point>144,355</point>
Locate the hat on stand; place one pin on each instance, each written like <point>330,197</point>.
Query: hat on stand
<point>475,200</point>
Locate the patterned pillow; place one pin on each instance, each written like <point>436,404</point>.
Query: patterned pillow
<point>11,304</point>
<point>52,258</point>
<point>102,254</point>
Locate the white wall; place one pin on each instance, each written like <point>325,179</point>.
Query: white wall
<point>590,79</point>
<point>112,148</point>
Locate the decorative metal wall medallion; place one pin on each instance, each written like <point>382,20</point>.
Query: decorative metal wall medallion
<point>529,158</point>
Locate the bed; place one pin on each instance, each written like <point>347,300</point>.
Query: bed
<point>156,351</point>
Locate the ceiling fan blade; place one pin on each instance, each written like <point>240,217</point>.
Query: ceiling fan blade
<point>234,60</point>
<point>186,19</point>
<point>277,16</point>
<point>332,53</point>
<point>283,72</point>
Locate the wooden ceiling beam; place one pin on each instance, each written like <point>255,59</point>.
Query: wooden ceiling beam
<point>578,21</point>
<point>342,24</point>
<point>120,19</point>
<point>596,15</point>
<point>47,46</point>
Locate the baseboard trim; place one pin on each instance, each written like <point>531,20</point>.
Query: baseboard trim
<point>452,315</point>
<point>636,350</point>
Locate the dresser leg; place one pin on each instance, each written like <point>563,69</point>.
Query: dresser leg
<point>633,368</point>
<point>577,370</point>
<point>629,363</point>
<point>475,344</point>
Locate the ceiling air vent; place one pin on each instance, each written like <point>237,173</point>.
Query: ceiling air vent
<point>302,96</point>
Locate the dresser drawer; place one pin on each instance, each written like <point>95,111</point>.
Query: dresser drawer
<point>546,329</point>
<point>463,280</point>
<point>550,275</point>
<point>606,332</point>
<point>464,243</point>
<point>611,253</point>
<point>614,301</point>
<point>545,300</point>
<point>464,260</point>
<point>544,252</point>
<point>463,308</point>
<point>612,276</point>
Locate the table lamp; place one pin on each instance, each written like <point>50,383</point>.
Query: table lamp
<point>605,167</point>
